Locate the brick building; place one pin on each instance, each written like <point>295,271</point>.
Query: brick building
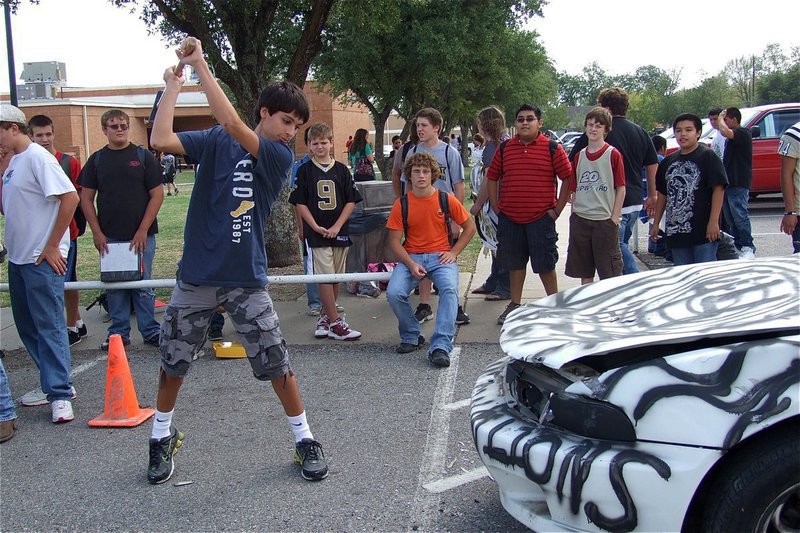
<point>76,115</point>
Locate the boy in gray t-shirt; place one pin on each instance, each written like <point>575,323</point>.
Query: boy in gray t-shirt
<point>428,125</point>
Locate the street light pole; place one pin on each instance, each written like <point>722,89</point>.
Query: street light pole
<point>12,75</point>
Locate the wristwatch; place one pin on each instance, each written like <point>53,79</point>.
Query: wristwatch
<point>790,214</point>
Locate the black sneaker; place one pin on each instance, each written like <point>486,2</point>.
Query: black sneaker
<point>462,317</point>
<point>74,337</point>
<point>104,345</point>
<point>439,357</point>
<point>510,307</point>
<point>82,331</point>
<point>161,451</point>
<point>423,313</point>
<point>155,340</point>
<point>215,334</point>
<point>308,453</point>
<point>406,347</point>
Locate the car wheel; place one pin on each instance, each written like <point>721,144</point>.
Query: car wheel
<point>759,490</point>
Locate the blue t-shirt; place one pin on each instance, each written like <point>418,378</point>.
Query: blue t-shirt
<point>306,158</point>
<point>232,197</point>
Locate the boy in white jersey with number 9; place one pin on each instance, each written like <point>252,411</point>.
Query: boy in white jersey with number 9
<point>241,172</point>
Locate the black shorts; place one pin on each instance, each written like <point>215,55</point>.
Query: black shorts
<point>534,241</point>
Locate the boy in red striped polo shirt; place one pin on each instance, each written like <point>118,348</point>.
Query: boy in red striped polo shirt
<point>522,190</point>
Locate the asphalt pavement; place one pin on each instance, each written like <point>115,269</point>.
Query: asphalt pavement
<point>394,429</point>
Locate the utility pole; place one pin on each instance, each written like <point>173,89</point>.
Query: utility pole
<point>12,75</point>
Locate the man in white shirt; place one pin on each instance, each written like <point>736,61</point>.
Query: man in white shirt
<point>38,201</point>
<point>718,142</point>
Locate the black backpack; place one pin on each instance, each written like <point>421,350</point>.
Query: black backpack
<point>80,219</point>
<point>444,204</point>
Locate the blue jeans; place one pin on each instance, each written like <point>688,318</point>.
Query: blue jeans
<point>216,321</point>
<point>796,238</point>
<point>702,253</point>
<point>6,403</point>
<point>445,277</point>
<point>312,289</point>
<point>626,223</point>
<point>734,208</point>
<point>144,301</point>
<point>37,303</point>
<point>498,281</point>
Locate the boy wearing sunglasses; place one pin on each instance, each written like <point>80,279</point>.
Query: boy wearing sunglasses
<point>126,180</point>
<point>522,190</point>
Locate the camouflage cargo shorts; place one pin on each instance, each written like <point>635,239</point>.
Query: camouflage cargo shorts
<point>185,328</point>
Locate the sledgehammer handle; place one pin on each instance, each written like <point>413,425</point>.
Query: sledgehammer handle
<point>187,49</point>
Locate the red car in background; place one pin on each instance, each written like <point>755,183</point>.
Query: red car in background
<point>766,123</point>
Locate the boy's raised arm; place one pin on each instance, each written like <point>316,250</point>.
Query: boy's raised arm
<point>221,107</point>
<point>163,138</point>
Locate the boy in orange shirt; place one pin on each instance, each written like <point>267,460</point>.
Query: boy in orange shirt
<point>423,215</point>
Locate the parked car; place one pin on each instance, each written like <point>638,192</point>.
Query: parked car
<point>766,123</point>
<point>659,401</point>
<point>569,139</point>
<point>705,136</point>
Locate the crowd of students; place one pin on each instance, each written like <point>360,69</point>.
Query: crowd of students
<point>240,175</point>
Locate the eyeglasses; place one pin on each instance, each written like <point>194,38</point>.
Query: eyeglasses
<point>123,127</point>
<point>527,119</point>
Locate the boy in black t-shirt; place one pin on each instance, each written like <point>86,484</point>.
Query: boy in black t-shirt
<point>691,183</point>
<point>325,196</point>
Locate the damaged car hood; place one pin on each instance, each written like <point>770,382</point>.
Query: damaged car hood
<point>667,306</point>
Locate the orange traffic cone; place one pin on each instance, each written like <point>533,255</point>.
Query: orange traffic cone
<point>122,406</point>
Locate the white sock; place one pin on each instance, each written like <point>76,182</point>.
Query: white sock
<point>79,323</point>
<point>299,426</point>
<point>161,425</point>
<point>74,330</point>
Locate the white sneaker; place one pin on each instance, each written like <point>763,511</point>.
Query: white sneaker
<point>38,397</point>
<point>323,326</point>
<point>747,253</point>
<point>62,411</point>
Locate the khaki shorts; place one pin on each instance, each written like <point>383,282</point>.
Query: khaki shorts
<point>329,260</point>
<point>593,245</point>
<point>185,328</point>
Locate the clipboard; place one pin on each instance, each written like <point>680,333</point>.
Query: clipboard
<point>121,264</point>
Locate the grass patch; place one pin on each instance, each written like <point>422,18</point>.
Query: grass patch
<point>169,245</point>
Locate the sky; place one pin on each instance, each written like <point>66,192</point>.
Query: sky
<point>696,37</point>
<point>103,45</point>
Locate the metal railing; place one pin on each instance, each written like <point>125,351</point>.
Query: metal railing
<point>274,280</point>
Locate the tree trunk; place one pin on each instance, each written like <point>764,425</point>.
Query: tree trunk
<point>280,233</point>
<point>464,144</point>
<point>380,125</point>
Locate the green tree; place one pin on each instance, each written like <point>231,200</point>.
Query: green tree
<point>780,86</point>
<point>651,89</point>
<point>455,56</point>
<point>248,43</point>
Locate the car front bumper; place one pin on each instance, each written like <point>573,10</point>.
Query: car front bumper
<point>552,480</point>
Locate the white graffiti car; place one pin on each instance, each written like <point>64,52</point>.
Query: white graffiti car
<point>659,401</point>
